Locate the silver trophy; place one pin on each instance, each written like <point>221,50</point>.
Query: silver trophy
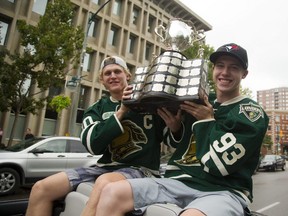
<point>179,34</point>
<point>171,78</point>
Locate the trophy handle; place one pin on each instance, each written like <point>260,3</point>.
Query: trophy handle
<point>157,31</point>
<point>200,36</point>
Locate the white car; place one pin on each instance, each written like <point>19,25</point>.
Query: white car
<point>37,158</point>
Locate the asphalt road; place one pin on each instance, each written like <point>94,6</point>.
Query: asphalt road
<point>20,194</point>
<point>271,193</point>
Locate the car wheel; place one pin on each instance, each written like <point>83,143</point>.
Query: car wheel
<point>9,181</point>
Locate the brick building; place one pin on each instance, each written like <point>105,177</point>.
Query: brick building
<point>275,103</point>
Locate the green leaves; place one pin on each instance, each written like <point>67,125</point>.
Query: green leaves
<point>48,49</point>
<point>60,102</point>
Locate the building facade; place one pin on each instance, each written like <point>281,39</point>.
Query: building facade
<point>121,27</point>
<point>273,99</point>
<point>278,130</point>
<point>275,103</point>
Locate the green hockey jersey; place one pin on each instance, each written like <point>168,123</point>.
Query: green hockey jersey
<point>221,153</point>
<point>135,141</point>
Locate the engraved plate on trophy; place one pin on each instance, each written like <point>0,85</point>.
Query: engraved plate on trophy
<point>165,88</point>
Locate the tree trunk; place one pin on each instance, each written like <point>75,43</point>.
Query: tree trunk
<point>13,129</point>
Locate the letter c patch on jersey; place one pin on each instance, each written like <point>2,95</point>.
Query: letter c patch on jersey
<point>252,111</point>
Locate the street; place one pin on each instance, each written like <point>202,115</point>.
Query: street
<point>271,193</point>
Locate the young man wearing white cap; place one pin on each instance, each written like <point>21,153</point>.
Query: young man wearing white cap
<point>129,143</point>
<point>210,174</point>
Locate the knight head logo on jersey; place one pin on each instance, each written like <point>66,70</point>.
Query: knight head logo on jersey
<point>189,157</point>
<point>252,111</point>
<point>126,143</point>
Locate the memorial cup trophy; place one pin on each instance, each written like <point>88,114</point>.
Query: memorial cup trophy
<point>171,78</point>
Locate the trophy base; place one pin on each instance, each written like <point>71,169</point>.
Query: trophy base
<point>151,102</point>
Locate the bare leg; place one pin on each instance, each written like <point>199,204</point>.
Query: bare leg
<point>116,199</point>
<point>90,209</point>
<point>45,191</point>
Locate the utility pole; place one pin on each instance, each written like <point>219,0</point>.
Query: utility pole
<point>77,79</point>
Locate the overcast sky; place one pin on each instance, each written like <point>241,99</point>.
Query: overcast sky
<point>260,26</point>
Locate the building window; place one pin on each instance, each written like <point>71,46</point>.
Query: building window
<point>82,104</point>
<point>148,51</point>
<point>39,6</point>
<point>135,16</point>
<point>83,97</point>
<point>151,24</point>
<point>112,37</point>
<point>96,1</point>
<point>4,26</point>
<point>131,44</point>
<point>52,114</point>
<point>87,62</point>
<point>277,118</point>
<point>117,8</point>
<point>92,31</point>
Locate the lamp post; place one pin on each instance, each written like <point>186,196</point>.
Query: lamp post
<point>77,79</point>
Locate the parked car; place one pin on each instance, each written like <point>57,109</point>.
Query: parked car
<point>284,157</point>
<point>272,162</point>
<point>30,160</point>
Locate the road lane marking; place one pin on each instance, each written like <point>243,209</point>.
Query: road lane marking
<point>268,207</point>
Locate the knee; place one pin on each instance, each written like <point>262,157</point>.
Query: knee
<point>116,192</point>
<point>110,192</point>
<point>39,188</point>
<point>117,196</point>
<point>102,180</point>
<point>38,191</point>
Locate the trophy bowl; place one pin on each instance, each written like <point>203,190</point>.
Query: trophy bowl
<point>179,34</point>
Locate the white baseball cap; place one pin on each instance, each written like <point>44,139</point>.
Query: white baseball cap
<point>113,60</point>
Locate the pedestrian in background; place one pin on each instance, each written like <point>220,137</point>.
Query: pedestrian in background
<point>28,134</point>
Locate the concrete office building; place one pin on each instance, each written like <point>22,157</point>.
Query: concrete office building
<point>123,27</point>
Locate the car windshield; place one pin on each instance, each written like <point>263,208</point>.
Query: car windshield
<point>269,158</point>
<point>24,144</point>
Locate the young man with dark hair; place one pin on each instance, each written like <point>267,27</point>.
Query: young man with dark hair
<point>210,173</point>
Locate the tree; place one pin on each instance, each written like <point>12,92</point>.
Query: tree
<point>267,141</point>
<point>48,48</point>
<point>246,91</point>
<point>60,102</point>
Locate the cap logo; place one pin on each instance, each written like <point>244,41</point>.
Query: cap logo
<point>232,47</point>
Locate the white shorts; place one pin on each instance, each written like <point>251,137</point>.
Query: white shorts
<point>163,190</point>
